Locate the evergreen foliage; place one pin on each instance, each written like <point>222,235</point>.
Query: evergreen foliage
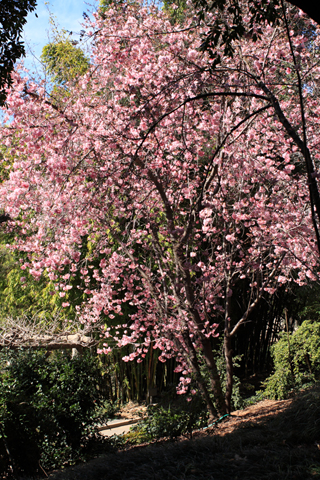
<point>13,15</point>
<point>48,409</point>
<point>177,419</point>
<point>296,361</point>
<point>63,60</point>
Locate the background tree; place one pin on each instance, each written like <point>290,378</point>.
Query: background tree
<point>13,15</point>
<point>63,60</point>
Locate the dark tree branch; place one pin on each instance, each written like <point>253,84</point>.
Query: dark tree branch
<point>310,7</point>
<point>312,182</point>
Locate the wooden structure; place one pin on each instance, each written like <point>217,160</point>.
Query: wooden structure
<point>37,333</point>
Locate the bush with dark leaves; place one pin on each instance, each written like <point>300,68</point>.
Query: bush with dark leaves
<point>48,409</point>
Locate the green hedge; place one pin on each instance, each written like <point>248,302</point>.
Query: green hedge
<point>296,361</point>
<point>179,418</point>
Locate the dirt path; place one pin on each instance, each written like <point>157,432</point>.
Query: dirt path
<point>260,411</point>
<point>129,416</point>
<point>117,427</point>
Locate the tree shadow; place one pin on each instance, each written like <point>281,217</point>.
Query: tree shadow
<point>272,443</point>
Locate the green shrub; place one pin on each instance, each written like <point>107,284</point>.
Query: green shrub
<point>237,402</point>
<point>296,361</point>
<point>108,409</point>
<point>48,409</point>
<point>179,418</point>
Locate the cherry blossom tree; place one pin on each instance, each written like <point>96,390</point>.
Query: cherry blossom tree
<point>188,182</point>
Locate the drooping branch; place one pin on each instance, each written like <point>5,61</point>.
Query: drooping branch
<point>200,96</point>
<point>50,104</point>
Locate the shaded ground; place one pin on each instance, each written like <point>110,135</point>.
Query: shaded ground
<point>269,440</point>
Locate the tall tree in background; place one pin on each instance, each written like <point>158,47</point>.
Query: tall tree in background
<point>13,15</point>
<point>63,60</point>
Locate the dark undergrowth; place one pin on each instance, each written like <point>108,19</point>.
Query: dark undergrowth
<point>282,446</point>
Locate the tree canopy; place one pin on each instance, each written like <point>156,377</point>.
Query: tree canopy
<point>13,15</point>
<point>232,20</point>
<point>63,60</point>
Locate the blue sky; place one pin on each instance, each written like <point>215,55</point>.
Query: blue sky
<point>68,14</point>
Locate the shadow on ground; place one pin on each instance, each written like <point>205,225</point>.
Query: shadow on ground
<point>278,444</point>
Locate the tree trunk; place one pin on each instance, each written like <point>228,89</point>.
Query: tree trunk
<point>193,362</point>
<point>214,376</point>
<point>228,353</point>
<point>227,347</point>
